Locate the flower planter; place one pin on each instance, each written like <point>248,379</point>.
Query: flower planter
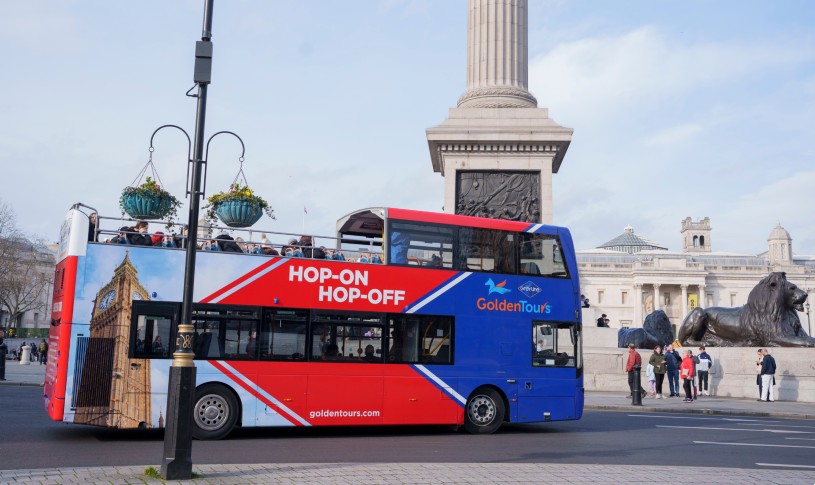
<point>141,206</point>
<point>238,213</point>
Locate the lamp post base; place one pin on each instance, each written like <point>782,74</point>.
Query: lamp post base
<point>177,462</point>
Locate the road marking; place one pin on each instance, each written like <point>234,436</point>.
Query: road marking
<point>789,466</point>
<point>805,439</point>
<point>700,417</point>
<point>784,425</point>
<point>737,429</point>
<point>751,444</point>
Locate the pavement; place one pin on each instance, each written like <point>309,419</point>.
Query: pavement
<point>391,473</point>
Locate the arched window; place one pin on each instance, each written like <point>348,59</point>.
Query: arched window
<point>702,241</point>
<point>696,241</point>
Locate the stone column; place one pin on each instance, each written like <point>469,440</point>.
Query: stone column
<point>497,151</point>
<point>657,303</point>
<point>702,297</point>
<point>497,39</point>
<point>684,300</point>
<point>638,303</point>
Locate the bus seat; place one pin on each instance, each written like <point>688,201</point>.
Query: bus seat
<point>443,355</point>
<point>530,268</point>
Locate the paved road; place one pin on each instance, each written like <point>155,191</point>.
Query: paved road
<point>31,440</point>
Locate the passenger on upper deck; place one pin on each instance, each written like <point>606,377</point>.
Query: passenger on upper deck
<point>292,250</point>
<point>141,238</point>
<point>92,226</point>
<point>399,248</point>
<point>227,244</point>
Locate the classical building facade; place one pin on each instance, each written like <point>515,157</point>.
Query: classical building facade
<point>630,277</point>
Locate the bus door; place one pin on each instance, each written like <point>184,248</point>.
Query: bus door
<point>282,349</point>
<point>548,394</point>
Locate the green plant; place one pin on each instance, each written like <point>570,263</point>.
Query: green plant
<point>236,192</point>
<point>154,474</point>
<point>150,188</point>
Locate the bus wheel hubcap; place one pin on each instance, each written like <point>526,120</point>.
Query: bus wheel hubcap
<point>481,410</point>
<point>211,412</point>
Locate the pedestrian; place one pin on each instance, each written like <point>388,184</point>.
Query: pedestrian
<point>686,372</point>
<point>672,363</point>
<point>703,367</point>
<point>758,372</point>
<point>649,371</point>
<point>695,361</point>
<point>658,361</point>
<point>634,360</point>
<point>601,322</point>
<point>767,376</point>
<point>43,350</point>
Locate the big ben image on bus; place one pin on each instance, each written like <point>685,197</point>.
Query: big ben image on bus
<point>114,391</point>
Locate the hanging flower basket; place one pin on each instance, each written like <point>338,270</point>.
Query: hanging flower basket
<point>238,207</point>
<point>148,201</point>
<point>238,213</point>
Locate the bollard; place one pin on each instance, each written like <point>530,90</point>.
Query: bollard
<point>26,358</point>
<point>636,394</point>
<point>3,350</point>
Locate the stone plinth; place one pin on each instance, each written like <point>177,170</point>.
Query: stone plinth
<point>499,139</point>
<point>733,373</point>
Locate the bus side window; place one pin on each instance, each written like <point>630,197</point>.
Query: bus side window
<point>541,255</point>
<point>283,336</point>
<point>423,339</point>
<point>152,337</point>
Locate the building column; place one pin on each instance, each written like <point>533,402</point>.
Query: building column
<point>657,305</point>
<point>638,303</point>
<point>702,297</point>
<point>684,300</point>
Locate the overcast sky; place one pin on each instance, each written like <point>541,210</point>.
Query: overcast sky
<point>680,108</point>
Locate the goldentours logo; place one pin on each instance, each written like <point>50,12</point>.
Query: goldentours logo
<point>529,289</point>
<point>496,304</point>
<point>497,288</point>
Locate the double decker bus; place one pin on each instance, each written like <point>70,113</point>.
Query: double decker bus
<point>401,317</point>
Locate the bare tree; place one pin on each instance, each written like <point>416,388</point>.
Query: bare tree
<point>24,269</point>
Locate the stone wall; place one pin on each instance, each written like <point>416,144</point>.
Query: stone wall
<point>733,373</point>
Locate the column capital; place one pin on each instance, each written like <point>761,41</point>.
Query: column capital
<point>657,285</point>
<point>637,286</point>
<point>684,286</point>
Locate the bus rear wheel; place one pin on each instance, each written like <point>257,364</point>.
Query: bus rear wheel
<point>215,412</point>
<point>484,413</point>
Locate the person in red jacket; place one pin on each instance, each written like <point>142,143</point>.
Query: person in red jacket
<point>634,359</point>
<point>686,373</point>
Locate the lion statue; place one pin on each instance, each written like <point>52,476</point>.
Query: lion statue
<point>769,319</point>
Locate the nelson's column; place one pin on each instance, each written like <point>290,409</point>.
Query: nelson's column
<point>497,150</point>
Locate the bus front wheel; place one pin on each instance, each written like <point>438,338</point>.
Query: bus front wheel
<point>484,413</point>
<point>215,412</point>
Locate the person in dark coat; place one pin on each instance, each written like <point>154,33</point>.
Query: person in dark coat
<point>660,369</point>
<point>768,369</point>
<point>92,227</point>
<point>673,360</point>
<point>227,244</point>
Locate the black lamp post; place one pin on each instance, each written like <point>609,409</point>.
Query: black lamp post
<point>176,463</point>
<point>809,324</point>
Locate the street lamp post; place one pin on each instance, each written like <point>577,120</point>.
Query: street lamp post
<point>809,323</point>
<point>177,460</point>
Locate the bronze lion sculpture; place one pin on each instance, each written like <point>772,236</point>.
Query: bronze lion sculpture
<point>769,319</point>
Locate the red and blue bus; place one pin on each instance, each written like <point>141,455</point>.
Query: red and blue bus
<point>401,317</point>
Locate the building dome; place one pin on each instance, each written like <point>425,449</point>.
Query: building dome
<point>779,232</point>
<point>629,242</point>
